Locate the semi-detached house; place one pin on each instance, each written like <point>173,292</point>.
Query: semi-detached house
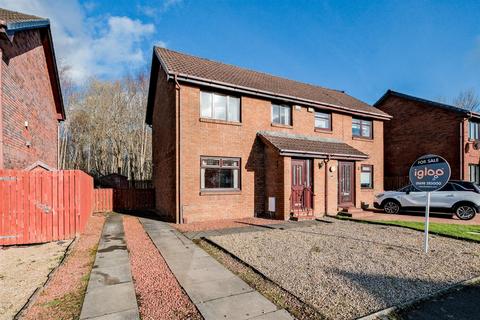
<point>233,143</point>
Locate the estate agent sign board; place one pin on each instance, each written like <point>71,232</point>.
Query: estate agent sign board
<point>429,173</point>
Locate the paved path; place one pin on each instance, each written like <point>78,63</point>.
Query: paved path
<point>252,228</point>
<point>110,293</point>
<point>462,304</point>
<point>217,293</point>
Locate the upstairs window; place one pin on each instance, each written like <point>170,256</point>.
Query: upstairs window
<point>473,130</point>
<point>362,128</point>
<point>281,114</point>
<point>219,106</point>
<point>323,120</point>
<point>219,173</point>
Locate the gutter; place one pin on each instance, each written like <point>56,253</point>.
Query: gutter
<point>320,155</point>
<point>267,94</point>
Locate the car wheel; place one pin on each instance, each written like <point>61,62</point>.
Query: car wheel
<point>465,212</point>
<point>391,207</point>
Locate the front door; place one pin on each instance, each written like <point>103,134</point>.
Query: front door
<point>346,183</point>
<point>301,199</point>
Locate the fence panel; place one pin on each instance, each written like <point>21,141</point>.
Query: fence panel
<point>103,200</point>
<point>42,206</point>
<point>395,183</point>
<point>133,199</point>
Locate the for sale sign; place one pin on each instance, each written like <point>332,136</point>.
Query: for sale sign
<point>429,173</point>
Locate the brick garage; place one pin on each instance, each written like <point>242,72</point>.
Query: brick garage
<point>421,126</point>
<point>181,137</point>
<point>31,102</point>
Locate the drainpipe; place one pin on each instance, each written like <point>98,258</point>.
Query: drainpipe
<point>462,150</point>
<point>325,161</point>
<point>179,142</point>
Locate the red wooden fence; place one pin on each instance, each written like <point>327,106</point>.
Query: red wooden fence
<point>102,200</point>
<point>43,206</point>
<point>123,199</point>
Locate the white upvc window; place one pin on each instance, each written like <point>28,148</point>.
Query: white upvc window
<point>281,114</point>
<point>219,106</point>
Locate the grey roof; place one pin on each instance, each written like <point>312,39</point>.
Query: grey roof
<point>287,143</point>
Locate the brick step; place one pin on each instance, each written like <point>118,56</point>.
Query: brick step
<point>353,212</point>
<point>302,218</point>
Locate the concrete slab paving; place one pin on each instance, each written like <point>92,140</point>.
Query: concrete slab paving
<point>110,292</point>
<point>217,292</point>
<point>242,306</point>
<point>209,290</point>
<point>276,315</point>
<point>123,315</point>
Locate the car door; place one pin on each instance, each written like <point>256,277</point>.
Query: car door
<point>413,199</point>
<point>445,197</point>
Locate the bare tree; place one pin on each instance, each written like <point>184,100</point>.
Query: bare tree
<point>468,100</point>
<point>105,131</point>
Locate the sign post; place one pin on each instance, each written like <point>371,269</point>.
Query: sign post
<point>429,173</point>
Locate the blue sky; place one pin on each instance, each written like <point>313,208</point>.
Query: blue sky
<point>425,48</point>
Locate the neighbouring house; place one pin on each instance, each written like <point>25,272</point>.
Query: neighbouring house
<point>421,126</point>
<point>31,103</point>
<point>232,143</point>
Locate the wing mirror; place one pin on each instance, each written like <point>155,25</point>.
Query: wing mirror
<point>407,192</point>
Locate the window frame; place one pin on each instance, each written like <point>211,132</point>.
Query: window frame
<point>363,123</point>
<point>476,172</point>
<point>282,106</point>
<point>220,166</point>
<point>212,106</point>
<point>473,127</point>
<point>371,175</point>
<point>329,118</point>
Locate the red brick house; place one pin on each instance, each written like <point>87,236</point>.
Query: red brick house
<point>31,101</point>
<point>421,126</point>
<point>231,143</point>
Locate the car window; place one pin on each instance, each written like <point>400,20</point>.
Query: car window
<point>408,188</point>
<point>458,187</point>
<point>449,187</point>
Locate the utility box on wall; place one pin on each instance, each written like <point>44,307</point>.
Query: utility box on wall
<point>271,204</point>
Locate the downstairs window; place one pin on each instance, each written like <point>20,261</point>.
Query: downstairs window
<point>219,173</point>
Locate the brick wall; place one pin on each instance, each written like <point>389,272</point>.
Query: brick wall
<point>27,96</point>
<point>210,138</point>
<point>417,129</point>
<point>164,147</point>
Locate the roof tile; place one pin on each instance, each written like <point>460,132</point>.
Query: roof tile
<point>307,144</point>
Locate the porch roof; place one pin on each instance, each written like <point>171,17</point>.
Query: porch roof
<point>310,146</point>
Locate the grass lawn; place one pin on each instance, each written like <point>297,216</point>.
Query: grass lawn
<point>451,230</point>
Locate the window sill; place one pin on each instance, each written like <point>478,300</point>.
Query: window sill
<point>220,121</point>
<point>328,131</point>
<point>362,139</point>
<point>278,125</point>
<point>366,189</point>
<point>220,192</point>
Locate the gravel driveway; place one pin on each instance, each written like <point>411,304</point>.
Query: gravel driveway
<point>348,269</point>
<point>23,270</point>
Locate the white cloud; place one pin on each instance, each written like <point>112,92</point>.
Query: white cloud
<point>92,46</point>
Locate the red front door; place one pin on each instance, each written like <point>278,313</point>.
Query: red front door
<point>346,183</point>
<point>302,196</point>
